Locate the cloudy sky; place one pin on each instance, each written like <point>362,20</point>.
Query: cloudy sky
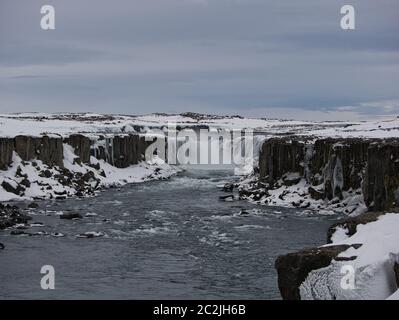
<point>286,58</point>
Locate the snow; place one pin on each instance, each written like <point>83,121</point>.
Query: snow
<point>372,265</point>
<point>63,124</point>
<point>297,195</point>
<point>340,234</point>
<point>44,188</point>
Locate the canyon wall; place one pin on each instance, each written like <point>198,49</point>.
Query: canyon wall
<point>119,151</point>
<point>335,171</point>
<point>66,165</point>
<point>333,166</point>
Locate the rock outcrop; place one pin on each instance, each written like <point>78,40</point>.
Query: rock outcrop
<point>10,215</point>
<point>344,172</point>
<point>381,187</point>
<point>333,167</point>
<point>125,150</point>
<point>59,181</point>
<point>293,268</point>
<point>6,150</point>
<point>121,150</point>
<point>279,156</point>
<point>47,149</point>
<point>350,224</point>
<point>81,145</point>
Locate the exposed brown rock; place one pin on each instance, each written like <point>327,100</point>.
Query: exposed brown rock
<point>293,268</point>
<point>351,223</point>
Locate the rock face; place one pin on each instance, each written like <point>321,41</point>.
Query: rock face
<point>6,150</point>
<point>332,169</point>
<point>381,188</point>
<point>120,151</point>
<point>47,149</point>
<point>279,156</point>
<point>333,166</point>
<point>81,145</point>
<point>293,268</point>
<point>125,150</point>
<point>339,164</point>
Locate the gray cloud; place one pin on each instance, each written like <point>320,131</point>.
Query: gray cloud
<point>254,57</point>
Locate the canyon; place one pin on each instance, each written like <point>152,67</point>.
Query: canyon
<point>350,169</point>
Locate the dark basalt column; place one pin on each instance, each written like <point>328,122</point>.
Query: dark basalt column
<point>6,150</point>
<point>47,149</point>
<point>81,145</point>
<point>337,165</point>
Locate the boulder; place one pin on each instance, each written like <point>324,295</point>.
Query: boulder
<point>13,187</point>
<point>70,216</point>
<point>316,194</point>
<point>33,205</point>
<point>228,187</point>
<point>227,198</point>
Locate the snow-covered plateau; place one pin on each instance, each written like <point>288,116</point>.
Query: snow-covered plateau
<point>349,168</point>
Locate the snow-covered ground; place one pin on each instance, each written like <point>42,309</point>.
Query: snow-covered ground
<point>63,124</point>
<point>43,182</point>
<point>297,196</point>
<point>372,266</point>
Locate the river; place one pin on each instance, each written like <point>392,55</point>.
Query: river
<point>162,240</point>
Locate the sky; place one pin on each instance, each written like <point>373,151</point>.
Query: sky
<point>257,58</point>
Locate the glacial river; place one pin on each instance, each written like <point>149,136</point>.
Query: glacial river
<point>162,240</point>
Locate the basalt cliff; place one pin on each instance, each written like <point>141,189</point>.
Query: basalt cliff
<point>355,177</point>
<point>51,167</point>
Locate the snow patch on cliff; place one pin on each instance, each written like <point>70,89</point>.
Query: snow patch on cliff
<point>373,264</point>
<point>27,180</point>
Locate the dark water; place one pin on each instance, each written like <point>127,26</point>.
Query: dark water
<point>167,239</point>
